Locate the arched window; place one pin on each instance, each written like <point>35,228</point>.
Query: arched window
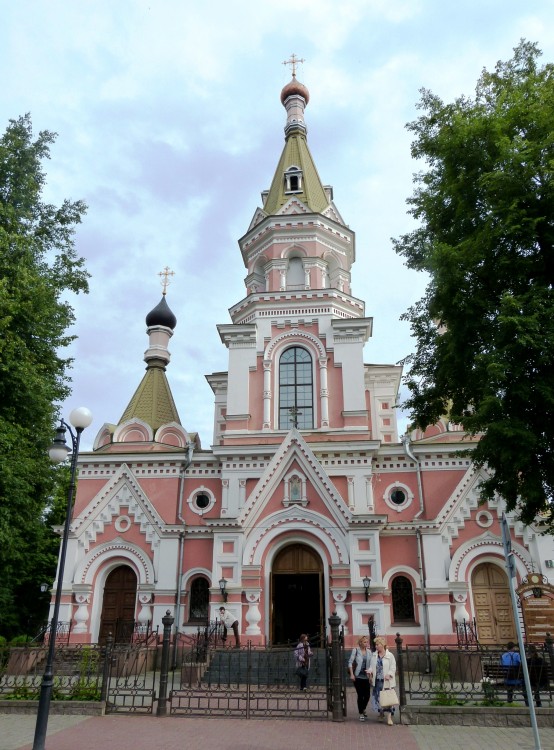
<point>199,600</point>
<point>402,600</point>
<point>295,389</point>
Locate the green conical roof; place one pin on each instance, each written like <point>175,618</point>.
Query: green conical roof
<point>296,153</point>
<point>152,401</point>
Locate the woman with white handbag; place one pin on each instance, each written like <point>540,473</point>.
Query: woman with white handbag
<point>382,675</point>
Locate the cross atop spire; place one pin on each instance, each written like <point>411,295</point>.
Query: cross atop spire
<point>164,275</point>
<point>293,62</point>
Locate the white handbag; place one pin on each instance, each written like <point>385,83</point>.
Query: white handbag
<point>388,698</point>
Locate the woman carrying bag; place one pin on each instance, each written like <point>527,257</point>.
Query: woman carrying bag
<point>382,675</point>
<point>358,664</point>
<point>302,654</point>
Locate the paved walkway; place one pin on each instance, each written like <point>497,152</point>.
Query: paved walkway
<point>176,733</point>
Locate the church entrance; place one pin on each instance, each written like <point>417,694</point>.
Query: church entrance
<point>118,606</point>
<point>297,595</point>
<point>493,605</point>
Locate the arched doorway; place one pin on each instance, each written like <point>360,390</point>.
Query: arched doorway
<point>118,605</point>
<point>493,605</point>
<point>296,595</point>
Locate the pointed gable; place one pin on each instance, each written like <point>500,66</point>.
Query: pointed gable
<point>122,495</point>
<point>294,455</point>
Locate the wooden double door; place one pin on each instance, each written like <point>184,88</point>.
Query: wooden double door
<point>492,604</point>
<point>296,595</point>
<point>118,605</point>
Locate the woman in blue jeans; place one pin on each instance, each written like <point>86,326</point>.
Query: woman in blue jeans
<point>382,675</point>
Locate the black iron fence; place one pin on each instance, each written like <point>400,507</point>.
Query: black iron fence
<point>77,673</point>
<point>210,679</point>
<point>450,675</point>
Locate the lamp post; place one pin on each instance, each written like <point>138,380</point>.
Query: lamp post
<point>80,419</point>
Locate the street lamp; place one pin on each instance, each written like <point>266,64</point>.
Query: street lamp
<point>80,419</point>
<point>223,589</point>
<point>367,582</point>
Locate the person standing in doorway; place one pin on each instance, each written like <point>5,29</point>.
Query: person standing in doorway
<point>302,654</point>
<point>358,664</point>
<point>229,621</point>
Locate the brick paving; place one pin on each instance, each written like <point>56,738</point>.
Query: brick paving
<point>172,733</point>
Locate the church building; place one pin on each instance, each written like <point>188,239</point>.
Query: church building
<point>307,501</point>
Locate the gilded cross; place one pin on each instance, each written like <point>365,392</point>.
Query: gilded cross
<point>293,62</point>
<point>164,275</point>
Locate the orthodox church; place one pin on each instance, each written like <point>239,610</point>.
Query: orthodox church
<point>307,502</point>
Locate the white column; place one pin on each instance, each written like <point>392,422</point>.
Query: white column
<point>267,394</point>
<point>324,392</point>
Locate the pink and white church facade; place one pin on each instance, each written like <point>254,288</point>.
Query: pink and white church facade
<point>307,502</point>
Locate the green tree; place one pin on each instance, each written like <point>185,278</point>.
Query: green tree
<point>485,235</point>
<point>38,267</point>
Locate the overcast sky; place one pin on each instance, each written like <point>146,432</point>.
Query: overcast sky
<point>170,126</point>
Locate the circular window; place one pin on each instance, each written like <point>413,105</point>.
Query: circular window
<point>201,500</point>
<point>398,497</point>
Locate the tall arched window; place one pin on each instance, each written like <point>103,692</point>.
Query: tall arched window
<point>296,389</point>
<point>402,600</point>
<point>199,600</point>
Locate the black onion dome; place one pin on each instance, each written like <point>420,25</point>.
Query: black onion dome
<point>294,87</point>
<point>161,315</point>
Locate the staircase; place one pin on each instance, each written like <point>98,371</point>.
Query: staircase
<point>262,667</point>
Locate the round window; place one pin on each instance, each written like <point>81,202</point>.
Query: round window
<point>202,501</point>
<point>398,497</point>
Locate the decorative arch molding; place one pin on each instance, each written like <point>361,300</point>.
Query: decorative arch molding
<point>402,570</point>
<point>110,555</point>
<point>104,436</point>
<point>174,434</point>
<point>195,573</point>
<point>125,433</point>
<point>258,540</point>
<point>297,336</point>
<point>477,550</point>
<point>294,251</point>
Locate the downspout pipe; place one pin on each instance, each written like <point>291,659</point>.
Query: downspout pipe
<point>184,466</point>
<point>424,602</point>
<point>409,452</point>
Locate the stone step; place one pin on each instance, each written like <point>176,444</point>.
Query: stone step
<point>271,667</point>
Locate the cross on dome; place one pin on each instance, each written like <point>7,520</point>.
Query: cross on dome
<point>164,275</point>
<point>293,62</point>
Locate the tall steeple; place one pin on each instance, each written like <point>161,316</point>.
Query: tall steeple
<point>296,174</point>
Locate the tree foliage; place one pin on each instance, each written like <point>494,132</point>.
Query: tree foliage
<point>38,267</point>
<point>485,327</point>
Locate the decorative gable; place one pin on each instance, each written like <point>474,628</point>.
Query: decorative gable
<point>121,498</point>
<point>294,459</point>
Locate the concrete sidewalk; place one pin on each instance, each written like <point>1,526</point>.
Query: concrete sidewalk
<point>177,733</point>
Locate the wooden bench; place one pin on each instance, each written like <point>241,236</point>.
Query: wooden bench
<point>496,673</point>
